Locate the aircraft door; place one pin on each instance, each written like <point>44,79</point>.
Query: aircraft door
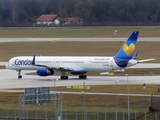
<point>90,63</point>
<point>12,62</point>
<point>111,64</point>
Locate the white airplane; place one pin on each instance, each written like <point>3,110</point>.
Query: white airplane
<point>47,65</point>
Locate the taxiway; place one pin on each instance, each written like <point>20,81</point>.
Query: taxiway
<point>9,79</point>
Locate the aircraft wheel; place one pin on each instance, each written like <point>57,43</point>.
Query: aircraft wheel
<point>64,77</point>
<point>19,77</point>
<point>82,76</point>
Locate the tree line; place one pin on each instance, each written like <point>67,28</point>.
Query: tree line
<point>93,12</point>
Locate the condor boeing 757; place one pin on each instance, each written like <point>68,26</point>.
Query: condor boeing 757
<point>47,65</point>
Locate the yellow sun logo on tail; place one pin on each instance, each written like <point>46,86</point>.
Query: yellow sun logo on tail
<point>128,49</point>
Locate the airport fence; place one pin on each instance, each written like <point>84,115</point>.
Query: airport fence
<point>48,113</point>
<point>141,108</point>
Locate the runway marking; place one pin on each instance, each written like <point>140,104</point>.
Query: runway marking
<point>53,41</point>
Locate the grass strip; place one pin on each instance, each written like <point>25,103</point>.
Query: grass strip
<point>75,32</point>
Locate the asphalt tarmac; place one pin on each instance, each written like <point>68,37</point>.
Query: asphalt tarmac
<point>9,79</point>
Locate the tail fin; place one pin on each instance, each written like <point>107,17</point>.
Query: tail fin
<point>127,50</point>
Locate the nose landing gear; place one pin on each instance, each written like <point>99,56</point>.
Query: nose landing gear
<point>19,74</point>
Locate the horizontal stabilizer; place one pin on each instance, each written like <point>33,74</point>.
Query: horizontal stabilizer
<point>139,61</point>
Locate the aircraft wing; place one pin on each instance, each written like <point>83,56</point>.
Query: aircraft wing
<point>64,68</point>
<point>73,68</point>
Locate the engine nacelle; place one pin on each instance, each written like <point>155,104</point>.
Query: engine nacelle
<point>42,71</point>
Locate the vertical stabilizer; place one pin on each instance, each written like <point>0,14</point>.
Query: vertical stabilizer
<point>127,50</point>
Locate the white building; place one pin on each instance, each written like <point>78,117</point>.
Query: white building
<point>49,19</point>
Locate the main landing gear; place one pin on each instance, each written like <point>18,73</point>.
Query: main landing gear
<point>82,76</point>
<point>63,77</point>
<point>19,74</point>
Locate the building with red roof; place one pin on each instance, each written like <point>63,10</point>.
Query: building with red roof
<point>48,19</point>
<point>70,20</point>
<point>54,19</point>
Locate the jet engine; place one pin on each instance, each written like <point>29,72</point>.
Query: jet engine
<point>42,71</point>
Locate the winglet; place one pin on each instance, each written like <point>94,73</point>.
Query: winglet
<point>33,61</point>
